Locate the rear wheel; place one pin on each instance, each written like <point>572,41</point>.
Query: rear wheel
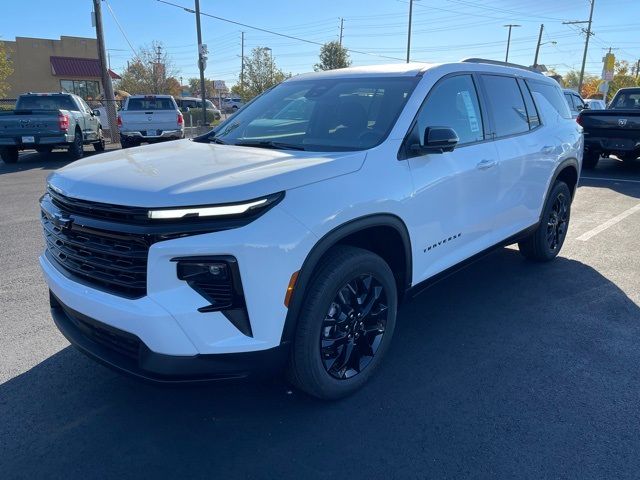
<point>545,243</point>
<point>76,149</point>
<point>590,160</point>
<point>345,325</point>
<point>99,145</point>
<point>629,157</point>
<point>9,154</point>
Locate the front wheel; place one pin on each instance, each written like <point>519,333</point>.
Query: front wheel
<point>545,242</point>
<point>345,325</point>
<point>99,145</point>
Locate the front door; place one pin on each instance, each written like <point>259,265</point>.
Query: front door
<point>455,193</point>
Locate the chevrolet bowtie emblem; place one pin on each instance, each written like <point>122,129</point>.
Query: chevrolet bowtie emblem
<point>60,221</point>
<point>622,122</point>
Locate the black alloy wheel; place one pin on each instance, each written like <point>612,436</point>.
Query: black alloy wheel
<point>558,222</point>
<point>354,326</point>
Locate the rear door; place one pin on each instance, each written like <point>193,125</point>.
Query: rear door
<point>525,152</point>
<point>150,115</point>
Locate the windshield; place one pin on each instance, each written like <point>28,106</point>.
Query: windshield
<point>321,115</point>
<point>45,102</point>
<point>626,101</point>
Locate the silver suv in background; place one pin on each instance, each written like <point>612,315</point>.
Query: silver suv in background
<point>575,102</point>
<point>231,104</point>
<point>149,119</point>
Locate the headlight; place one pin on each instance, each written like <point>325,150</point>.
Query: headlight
<point>227,210</point>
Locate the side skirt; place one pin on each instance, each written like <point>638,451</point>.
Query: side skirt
<point>418,288</point>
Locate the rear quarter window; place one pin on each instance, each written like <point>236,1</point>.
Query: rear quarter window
<point>552,94</point>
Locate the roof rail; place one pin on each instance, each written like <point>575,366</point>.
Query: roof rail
<point>498,62</point>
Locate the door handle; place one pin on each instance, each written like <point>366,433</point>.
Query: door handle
<point>485,164</point>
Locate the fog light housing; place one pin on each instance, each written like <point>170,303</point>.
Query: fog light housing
<point>217,280</point>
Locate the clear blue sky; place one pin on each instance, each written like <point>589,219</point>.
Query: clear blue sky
<point>444,30</point>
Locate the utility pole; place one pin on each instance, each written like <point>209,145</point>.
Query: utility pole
<point>201,64</point>
<point>535,60</point>
<point>586,43</point>
<point>409,32</point>
<point>106,77</point>
<point>157,71</point>
<point>637,69</point>
<point>341,28</point>
<point>242,63</point>
<point>510,25</point>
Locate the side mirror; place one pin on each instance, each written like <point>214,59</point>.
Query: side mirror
<point>95,113</point>
<point>437,140</point>
<point>184,109</point>
<point>582,107</point>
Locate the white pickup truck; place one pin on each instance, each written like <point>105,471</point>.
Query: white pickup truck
<point>149,118</point>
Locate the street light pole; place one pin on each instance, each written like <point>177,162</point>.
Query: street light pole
<point>510,25</point>
<point>201,64</point>
<point>409,31</point>
<point>535,60</point>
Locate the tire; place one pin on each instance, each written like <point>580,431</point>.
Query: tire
<point>629,157</point>
<point>353,345</point>
<point>99,145</point>
<point>545,242</point>
<point>76,149</point>
<point>44,149</point>
<point>9,154</point>
<point>125,142</point>
<point>590,160</point>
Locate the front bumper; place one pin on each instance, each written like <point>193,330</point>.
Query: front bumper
<point>126,353</point>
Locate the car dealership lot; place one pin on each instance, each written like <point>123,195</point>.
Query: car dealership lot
<point>506,369</point>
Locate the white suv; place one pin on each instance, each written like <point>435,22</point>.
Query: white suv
<point>276,242</point>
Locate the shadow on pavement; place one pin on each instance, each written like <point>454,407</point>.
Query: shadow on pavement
<point>509,369</point>
<point>31,160</point>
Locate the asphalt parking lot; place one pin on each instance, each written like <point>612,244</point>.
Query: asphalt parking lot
<point>508,369</point>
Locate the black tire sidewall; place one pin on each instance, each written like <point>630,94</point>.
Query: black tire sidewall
<point>10,154</point>
<point>77,147</point>
<point>324,287</point>
<point>99,145</point>
<point>559,188</point>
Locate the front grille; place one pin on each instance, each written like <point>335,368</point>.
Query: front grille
<point>103,211</point>
<point>115,262</point>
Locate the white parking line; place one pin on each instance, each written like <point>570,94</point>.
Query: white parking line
<point>601,228</point>
<point>610,179</point>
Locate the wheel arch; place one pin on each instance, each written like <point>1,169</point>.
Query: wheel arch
<point>569,172</point>
<point>379,233</point>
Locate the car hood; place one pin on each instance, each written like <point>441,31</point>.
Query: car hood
<point>183,172</point>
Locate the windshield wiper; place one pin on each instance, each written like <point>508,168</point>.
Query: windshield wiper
<point>270,144</point>
<point>215,139</point>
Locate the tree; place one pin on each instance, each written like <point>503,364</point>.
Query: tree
<point>194,88</point>
<point>621,78</point>
<point>260,74</point>
<point>6,69</point>
<point>149,72</point>
<point>173,87</point>
<point>332,56</point>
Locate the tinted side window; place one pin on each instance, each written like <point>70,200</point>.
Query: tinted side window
<point>507,105</point>
<point>567,98</point>
<point>577,102</point>
<point>453,102</point>
<point>532,113</point>
<point>552,94</point>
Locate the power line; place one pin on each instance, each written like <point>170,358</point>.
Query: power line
<point>189,10</point>
<point>135,54</point>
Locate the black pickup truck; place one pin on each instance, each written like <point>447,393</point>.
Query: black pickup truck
<point>614,131</point>
<point>44,121</point>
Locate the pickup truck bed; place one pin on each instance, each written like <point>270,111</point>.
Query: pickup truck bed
<point>615,131</point>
